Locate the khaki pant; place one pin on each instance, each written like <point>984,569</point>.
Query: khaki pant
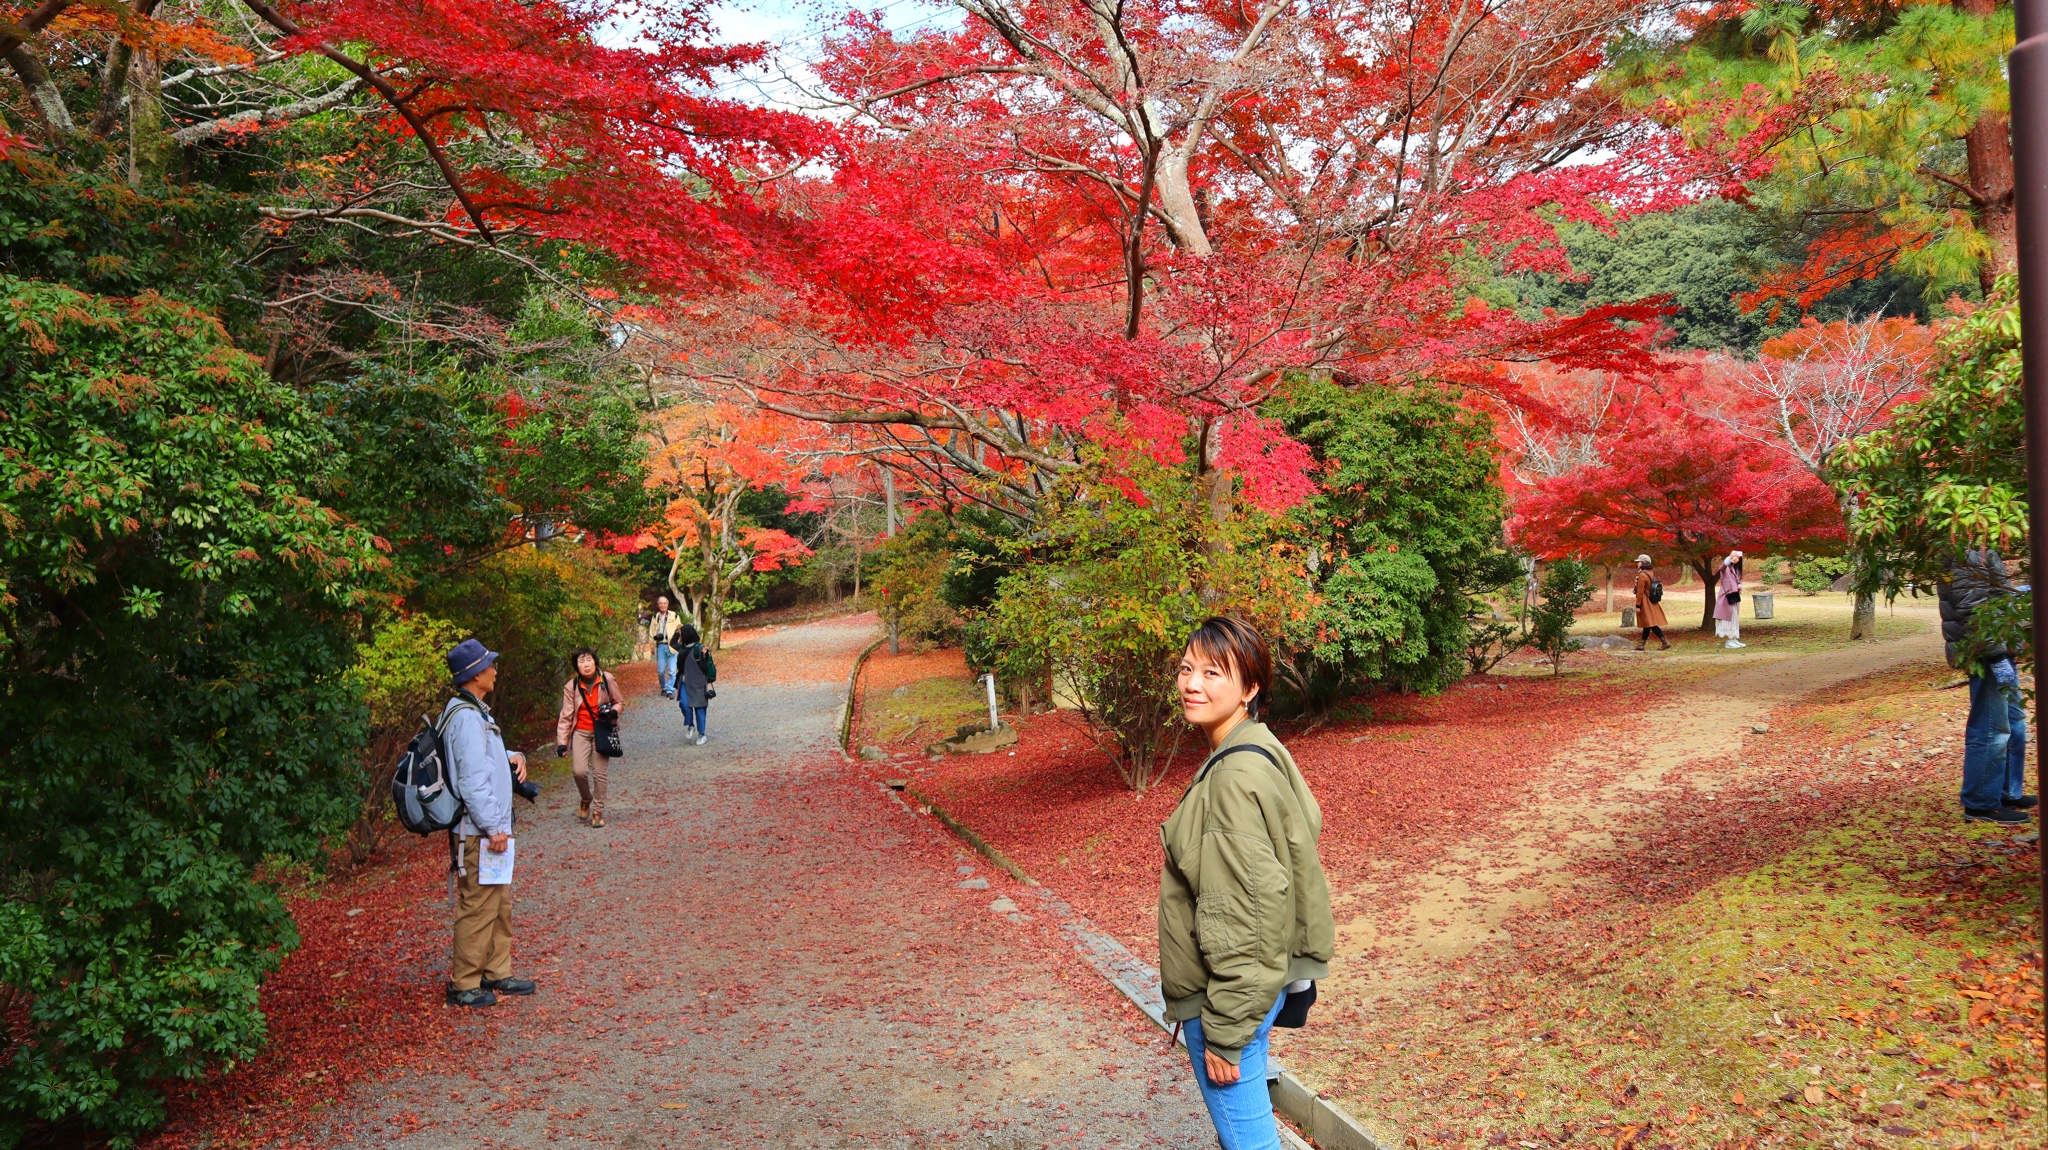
<point>483,925</point>
<point>590,769</point>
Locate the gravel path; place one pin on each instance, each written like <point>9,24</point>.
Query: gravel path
<point>761,950</point>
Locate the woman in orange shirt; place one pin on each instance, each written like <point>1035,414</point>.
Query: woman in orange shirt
<point>590,696</point>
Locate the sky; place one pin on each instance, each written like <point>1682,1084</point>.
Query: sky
<point>797,29</point>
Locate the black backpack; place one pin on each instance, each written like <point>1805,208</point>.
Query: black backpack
<point>421,787</point>
<point>1656,591</point>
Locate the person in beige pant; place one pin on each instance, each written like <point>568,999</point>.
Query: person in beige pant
<point>575,731</point>
<point>482,772</point>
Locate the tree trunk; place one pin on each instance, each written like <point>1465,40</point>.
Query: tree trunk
<point>149,146</point>
<point>1609,608</point>
<point>1989,148</point>
<point>1708,595</point>
<point>43,92</point>
<point>1863,618</point>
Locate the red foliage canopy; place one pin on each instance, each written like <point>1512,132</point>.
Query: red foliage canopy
<point>1675,484</point>
<point>1064,223</point>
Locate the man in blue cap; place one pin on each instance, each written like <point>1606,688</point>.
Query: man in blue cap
<point>482,772</point>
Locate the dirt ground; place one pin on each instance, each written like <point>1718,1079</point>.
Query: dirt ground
<point>763,949</point>
<point>1451,908</point>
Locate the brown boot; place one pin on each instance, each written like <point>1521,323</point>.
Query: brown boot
<point>583,811</point>
<point>1666,644</point>
<point>1639,644</point>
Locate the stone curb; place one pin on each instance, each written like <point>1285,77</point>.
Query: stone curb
<point>1327,1125</point>
<point>852,685</point>
<point>967,835</point>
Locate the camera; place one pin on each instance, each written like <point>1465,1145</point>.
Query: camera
<point>529,790</point>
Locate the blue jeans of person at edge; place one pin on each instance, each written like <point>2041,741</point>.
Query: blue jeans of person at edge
<point>692,716</point>
<point>665,666</point>
<point>1994,740</point>
<point>1243,1110</point>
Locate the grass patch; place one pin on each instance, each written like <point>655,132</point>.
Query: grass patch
<point>923,711</point>
<point>1823,955</point>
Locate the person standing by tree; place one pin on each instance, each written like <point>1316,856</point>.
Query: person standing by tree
<point>589,697</point>
<point>1727,592</point>
<point>1244,908</point>
<point>1649,612</point>
<point>1995,735</point>
<point>695,673</point>
<point>660,629</point>
<point>478,763</point>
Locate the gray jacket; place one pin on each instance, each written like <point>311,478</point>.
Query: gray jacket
<point>481,769</point>
<point>691,682</point>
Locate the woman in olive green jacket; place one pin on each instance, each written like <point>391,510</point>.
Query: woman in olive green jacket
<point>1244,909</point>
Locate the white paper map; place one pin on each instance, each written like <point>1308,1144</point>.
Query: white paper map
<point>494,868</point>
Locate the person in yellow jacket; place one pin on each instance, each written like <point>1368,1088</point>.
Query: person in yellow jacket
<point>1244,909</point>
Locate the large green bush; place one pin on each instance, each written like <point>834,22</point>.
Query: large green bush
<point>1402,537</point>
<point>1103,596</point>
<point>174,622</point>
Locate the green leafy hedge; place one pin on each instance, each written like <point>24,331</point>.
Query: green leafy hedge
<point>174,618</point>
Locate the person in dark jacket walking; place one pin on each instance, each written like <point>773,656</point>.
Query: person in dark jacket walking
<point>1995,736</point>
<point>695,672</point>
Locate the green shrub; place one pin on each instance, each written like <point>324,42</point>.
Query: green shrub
<point>1566,588</point>
<point>1402,536</point>
<point>940,569</point>
<point>1815,575</point>
<point>535,605</point>
<point>910,578</point>
<point>401,675</point>
<point>1104,603</point>
<point>176,715</point>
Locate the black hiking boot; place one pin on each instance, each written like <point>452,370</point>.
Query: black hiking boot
<point>2023,803</point>
<point>2002,815</point>
<point>475,997</point>
<point>509,985</point>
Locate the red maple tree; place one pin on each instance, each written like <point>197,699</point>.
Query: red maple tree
<point>1062,224</point>
<point>1672,483</point>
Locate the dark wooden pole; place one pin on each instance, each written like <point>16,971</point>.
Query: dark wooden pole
<point>2029,76</point>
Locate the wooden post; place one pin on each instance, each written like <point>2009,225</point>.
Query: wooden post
<point>2028,68</point>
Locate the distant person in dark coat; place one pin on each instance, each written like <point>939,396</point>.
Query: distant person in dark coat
<point>695,672</point>
<point>1995,736</point>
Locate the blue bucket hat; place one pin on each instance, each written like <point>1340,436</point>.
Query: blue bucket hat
<point>468,659</point>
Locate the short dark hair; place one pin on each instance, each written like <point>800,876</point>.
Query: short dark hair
<point>1238,645</point>
<point>577,657</point>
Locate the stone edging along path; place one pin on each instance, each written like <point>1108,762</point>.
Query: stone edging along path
<point>1327,1125</point>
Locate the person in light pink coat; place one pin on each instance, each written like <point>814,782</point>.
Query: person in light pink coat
<point>1728,600</point>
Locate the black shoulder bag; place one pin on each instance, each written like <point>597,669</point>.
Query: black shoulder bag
<point>604,723</point>
<point>1294,1006</point>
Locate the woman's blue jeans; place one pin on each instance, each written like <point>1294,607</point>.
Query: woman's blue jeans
<point>1242,1111</point>
<point>692,716</point>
